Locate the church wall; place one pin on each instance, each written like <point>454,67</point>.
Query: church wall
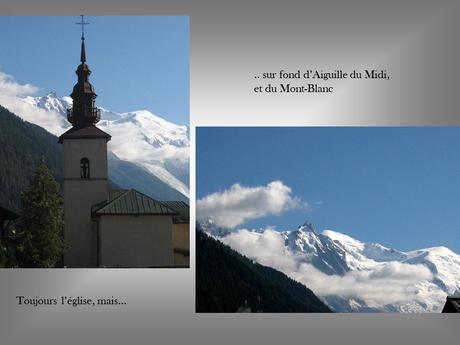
<point>80,195</point>
<point>79,231</point>
<point>135,241</point>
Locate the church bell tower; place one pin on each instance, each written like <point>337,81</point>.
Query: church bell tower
<point>85,169</point>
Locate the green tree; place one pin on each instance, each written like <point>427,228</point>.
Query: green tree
<point>41,241</point>
<point>3,255</point>
<point>7,245</point>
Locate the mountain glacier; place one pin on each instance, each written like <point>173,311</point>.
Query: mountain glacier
<point>350,275</point>
<point>159,147</point>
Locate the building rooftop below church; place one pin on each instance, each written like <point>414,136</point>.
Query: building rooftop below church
<point>182,208</point>
<point>132,202</point>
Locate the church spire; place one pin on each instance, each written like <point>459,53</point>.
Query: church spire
<point>83,51</point>
<point>84,111</point>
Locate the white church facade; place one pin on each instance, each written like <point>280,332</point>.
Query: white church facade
<point>109,228</point>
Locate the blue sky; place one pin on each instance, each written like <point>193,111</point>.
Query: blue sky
<point>138,62</point>
<point>396,186</point>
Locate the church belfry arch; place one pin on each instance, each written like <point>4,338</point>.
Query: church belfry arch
<point>84,168</point>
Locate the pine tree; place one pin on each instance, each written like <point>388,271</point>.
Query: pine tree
<point>8,246</point>
<point>41,229</point>
<point>3,255</point>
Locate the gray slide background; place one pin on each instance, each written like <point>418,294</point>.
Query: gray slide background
<point>417,41</point>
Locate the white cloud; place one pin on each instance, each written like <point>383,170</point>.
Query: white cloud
<point>266,247</point>
<point>238,204</point>
<point>9,87</point>
<point>389,282</point>
<point>129,142</point>
<point>13,97</point>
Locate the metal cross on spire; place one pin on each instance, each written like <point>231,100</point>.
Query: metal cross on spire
<point>82,23</point>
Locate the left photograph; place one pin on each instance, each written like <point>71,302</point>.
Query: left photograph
<point>94,142</point>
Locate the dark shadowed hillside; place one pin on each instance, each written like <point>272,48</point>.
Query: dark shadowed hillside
<point>226,281</point>
<point>21,145</point>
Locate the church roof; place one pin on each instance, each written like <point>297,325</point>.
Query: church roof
<point>182,209</point>
<point>88,132</point>
<point>132,202</point>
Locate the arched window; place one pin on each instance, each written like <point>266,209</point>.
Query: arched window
<point>84,168</point>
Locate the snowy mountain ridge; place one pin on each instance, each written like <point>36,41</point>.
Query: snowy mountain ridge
<point>351,275</point>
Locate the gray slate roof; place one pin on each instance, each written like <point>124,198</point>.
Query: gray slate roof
<point>88,132</point>
<point>182,209</point>
<point>132,202</point>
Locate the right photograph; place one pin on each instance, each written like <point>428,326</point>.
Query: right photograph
<point>327,219</point>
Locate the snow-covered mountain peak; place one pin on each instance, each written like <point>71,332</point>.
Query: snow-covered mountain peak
<point>344,239</point>
<point>146,117</point>
<point>50,102</point>
<point>51,95</point>
<point>148,127</point>
<point>307,227</point>
<point>435,251</point>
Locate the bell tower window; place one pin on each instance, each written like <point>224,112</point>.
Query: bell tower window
<point>84,168</point>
